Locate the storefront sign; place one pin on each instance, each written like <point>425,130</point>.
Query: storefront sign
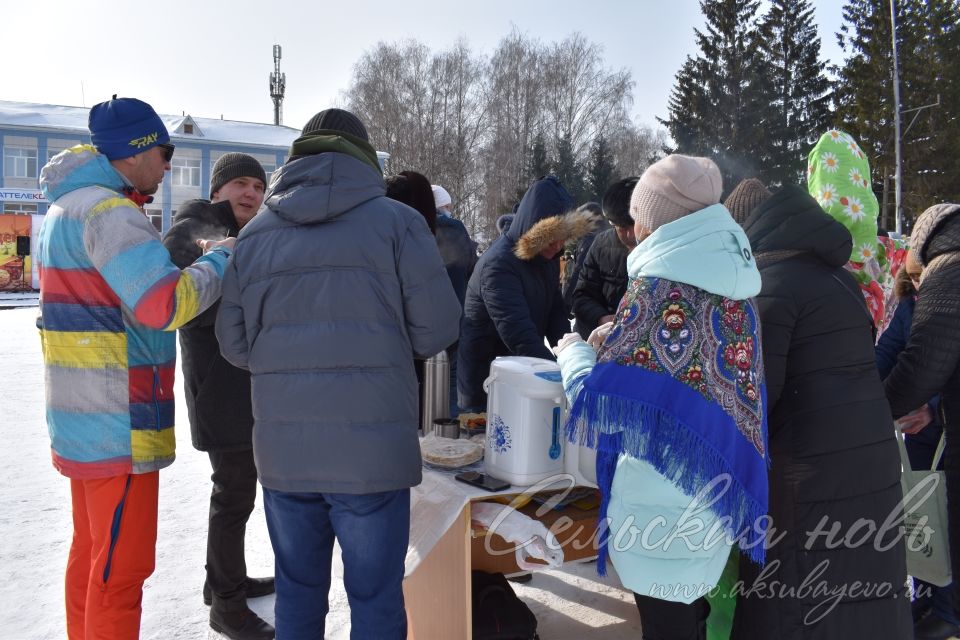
<point>22,195</point>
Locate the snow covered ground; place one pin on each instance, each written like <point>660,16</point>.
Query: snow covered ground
<point>570,603</point>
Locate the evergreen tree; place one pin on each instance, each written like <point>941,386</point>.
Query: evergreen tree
<point>795,80</point>
<point>538,163</point>
<point>601,171</point>
<point>716,106</point>
<point>570,172</point>
<point>928,39</point>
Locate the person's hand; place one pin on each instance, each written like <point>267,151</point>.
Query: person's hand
<point>226,243</point>
<point>606,319</point>
<point>566,341</point>
<point>915,421</point>
<point>598,335</point>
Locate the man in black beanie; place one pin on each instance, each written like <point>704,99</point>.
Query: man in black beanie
<point>218,403</point>
<point>603,276</point>
<point>334,291</point>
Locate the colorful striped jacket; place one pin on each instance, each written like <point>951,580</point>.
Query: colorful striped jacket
<point>110,299</point>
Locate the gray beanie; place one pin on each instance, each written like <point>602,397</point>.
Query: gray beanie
<point>235,165</point>
<point>674,187</point>
<point>926,226</point>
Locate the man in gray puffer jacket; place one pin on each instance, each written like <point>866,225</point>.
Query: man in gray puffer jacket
<point>333,291</point>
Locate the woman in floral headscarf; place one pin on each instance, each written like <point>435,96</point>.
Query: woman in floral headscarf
<point>838,177</point>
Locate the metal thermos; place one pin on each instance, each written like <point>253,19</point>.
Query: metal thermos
<point>436,390</point>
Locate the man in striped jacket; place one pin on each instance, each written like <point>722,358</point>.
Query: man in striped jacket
<point>110,299</point>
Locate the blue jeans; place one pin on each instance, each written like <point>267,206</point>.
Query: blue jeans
<point>373,530</point>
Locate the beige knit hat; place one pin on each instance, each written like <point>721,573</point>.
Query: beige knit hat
<point>674,187</point>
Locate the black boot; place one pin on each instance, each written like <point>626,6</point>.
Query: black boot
<point>933,627</point>
<point>252,587</point>
<point>241,625</point>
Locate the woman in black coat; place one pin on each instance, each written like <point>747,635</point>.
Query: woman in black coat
<point>930,363</point>
<point>834,460</point>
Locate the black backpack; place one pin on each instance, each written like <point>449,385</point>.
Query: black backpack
<point>498,614</point>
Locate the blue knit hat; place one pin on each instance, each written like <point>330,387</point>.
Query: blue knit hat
<point>124,127</point>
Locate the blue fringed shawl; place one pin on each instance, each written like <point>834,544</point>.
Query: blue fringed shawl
<point>679,384</point>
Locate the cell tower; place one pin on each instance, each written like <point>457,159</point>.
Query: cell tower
<point>278,84</point>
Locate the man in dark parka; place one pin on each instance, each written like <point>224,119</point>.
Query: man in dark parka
<point>218,401</point>
<point>334,291</point>
<point>513,297</point>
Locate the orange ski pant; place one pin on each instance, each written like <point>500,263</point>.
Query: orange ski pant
<point>112,553</point>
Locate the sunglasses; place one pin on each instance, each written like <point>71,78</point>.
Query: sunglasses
<point>167,151</point>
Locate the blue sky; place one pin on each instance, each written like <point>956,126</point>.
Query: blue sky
<point>213,58</point>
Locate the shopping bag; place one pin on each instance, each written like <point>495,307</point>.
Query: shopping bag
<point>723,600</point>
<point>925,519</point>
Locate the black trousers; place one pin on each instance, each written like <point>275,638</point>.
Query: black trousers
<point>231,502</point>
<point>665,620</point>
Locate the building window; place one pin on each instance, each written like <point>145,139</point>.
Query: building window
<point>156,218</point>
<point>51,153</point>
<point>19,162</point>
<point>17,207</point>
<point>188,129</point>
<point>186,172</point>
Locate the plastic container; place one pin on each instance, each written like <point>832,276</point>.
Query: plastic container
<point>436,391</point>
<point>581,463</point>
<point>525,414</point>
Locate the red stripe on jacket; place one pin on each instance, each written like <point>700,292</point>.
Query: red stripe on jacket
<point>79,286</point>
<point>142,383</point>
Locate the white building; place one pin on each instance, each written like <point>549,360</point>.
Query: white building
<point>30,134</point>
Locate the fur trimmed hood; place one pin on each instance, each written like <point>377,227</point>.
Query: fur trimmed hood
<point>546,198</point>
<point>903,286</point>
<point>570,226</point>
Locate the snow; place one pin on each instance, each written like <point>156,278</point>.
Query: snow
<point>35,529</point>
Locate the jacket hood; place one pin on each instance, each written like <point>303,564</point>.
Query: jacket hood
<point>791,220</point>
<point>206,211</point>
<point>320,187</point>
<point>208,220</point>
<point>940,235</point>
<point>571,226</point>
<point>545,198</point>
<point>75,168</point>
<point>706,249</point>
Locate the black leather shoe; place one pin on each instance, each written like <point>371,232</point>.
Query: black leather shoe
<point>253,587</point>
<point>933,627</point>
<point>241,625</point>
<point>259,587</point>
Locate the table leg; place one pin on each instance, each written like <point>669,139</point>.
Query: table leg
<point>437,594</point>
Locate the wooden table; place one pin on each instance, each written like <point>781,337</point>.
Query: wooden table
<point>438,593</point>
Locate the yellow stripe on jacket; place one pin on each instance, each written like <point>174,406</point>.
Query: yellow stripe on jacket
<point>84,349</point>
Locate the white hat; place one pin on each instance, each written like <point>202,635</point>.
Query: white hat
<point>440,196</point>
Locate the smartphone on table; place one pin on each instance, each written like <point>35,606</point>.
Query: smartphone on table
<point>482,481</point>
